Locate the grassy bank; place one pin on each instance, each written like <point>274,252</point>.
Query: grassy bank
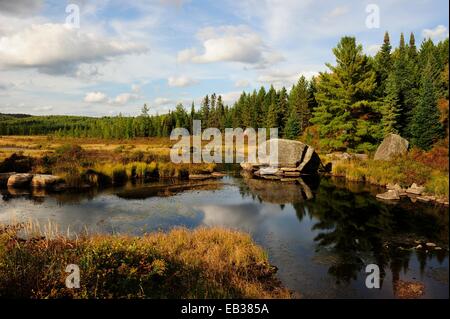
<point>429,169</point>
<point>202,263</point>
<point>93,162</point>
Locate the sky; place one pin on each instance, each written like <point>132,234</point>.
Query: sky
<point>106,57</point>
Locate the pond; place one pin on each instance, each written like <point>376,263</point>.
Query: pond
<point>320,235</point>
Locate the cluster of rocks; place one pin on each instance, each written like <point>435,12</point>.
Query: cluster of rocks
<point>27,180</point>
<point>414,192</point>
<point>294,159</point>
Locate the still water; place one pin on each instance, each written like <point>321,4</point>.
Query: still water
<point>320,235</point>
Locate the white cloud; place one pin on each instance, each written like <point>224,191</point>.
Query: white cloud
<point>373,49</point>
<point>337,12</point>
<point>438,33</point>
<point>230,44</point>
<point>59,49</point>
<point>181,81</point>
<point>241,83</point>
<point>285,78</point>
<point>230,97</point>
<point>43,108</point>
<point>162,101</point>
<point>124,98</point>
<point>95,97</point>
<point>135,88</point>
<point>100,97</point>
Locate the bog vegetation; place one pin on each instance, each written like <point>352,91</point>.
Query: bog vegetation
<point>350,107</point>
<point>202,263</point>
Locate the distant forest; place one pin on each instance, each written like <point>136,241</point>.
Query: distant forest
<point>352,106</point>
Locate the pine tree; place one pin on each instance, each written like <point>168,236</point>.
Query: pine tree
<point>391,107</point>
<point>347,114</point>
<point>426,127</point>
<point>404,84</point>
<point>282,109</point>
<point>299,100</point>
<point>272,116</point>
<point>383,64</point>
<point>292,127</point>
<point>205,112</point>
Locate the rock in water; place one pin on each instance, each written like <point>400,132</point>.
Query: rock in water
<point>393,145</point>
<point>415,190</point>
<point>247,166</point>
<point>293,154</point>
<point>268,171</point>
<point>44,180</point>
<point>4,178</point>
<point>20,180</point>
<point>389,195</point>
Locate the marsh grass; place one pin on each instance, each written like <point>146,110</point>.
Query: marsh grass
<point>403,171</point>
<point>201,263</point>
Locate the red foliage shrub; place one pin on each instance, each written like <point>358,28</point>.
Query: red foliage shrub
<point>436,158</point>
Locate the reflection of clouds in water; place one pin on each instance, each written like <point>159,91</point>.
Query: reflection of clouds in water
<point>247,216</point>
<point>103,214</point>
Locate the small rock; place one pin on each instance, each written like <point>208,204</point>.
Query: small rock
<point>218,174</point>
<point>389,195</point>
<point>415,190</point>
<point>199,176</point>
<point>44,180</point>
<point>268,171</point>
<point>20,180</point>
<point>424,199</point>
<point>419,247</point>
<point>437,248</point>
<point>431,244</point>
<point>248,166</point>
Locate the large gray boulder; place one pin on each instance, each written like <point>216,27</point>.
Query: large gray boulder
<point>20,180</point>
<point>291,155</point>
<point>392,146</point>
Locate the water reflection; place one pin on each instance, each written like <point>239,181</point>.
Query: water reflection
<point>319,233</point>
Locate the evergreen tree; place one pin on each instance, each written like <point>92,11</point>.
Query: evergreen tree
<point>347,114</point>
<point>282,109</point>
<point>299,101</point>
<point>391,107</point>
<point>426,127</point>
<point>292,127</point>
<point>383,64</point>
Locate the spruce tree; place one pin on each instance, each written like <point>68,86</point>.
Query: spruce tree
<point>426,127</point>
<point>383,64</point>
<point>391,107</point>
<point>292,127</point>
<point>347,114</point>
<point>299,101</point>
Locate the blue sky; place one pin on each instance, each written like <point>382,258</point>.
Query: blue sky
<point>165,52</point>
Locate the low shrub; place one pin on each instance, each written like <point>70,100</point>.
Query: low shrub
<point>202,263</point>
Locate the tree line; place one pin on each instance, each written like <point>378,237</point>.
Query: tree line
<point>351,106</point>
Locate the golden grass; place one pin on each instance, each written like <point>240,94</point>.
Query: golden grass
<point>201,263</point>
<point>403,171</point>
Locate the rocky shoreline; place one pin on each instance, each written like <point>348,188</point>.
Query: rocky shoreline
<point>414,193</point>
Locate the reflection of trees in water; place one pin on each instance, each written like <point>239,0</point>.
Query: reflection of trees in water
<point>360,230</point>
